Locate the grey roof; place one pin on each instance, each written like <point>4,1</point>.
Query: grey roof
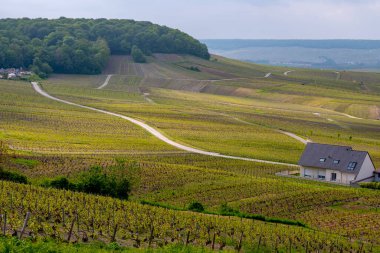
<point>314,151</point>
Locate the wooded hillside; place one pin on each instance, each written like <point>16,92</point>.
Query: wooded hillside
<point>82,46</point>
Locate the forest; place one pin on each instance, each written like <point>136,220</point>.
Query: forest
<point>83,46</point>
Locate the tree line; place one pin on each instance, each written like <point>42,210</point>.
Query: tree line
<point>83,46</point>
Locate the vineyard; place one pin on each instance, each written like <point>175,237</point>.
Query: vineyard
<point>34,212</point>
<point>221,106</point>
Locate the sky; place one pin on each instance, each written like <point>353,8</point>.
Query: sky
<point>223,19</point>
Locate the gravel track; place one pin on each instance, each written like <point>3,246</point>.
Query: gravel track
<point>154,132</point>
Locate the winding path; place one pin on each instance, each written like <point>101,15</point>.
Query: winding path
<point>350,116</point>
<point>267,75</point>
<point>203,80</point>
<point>288,72</point>
<point>338,75</point>
<point>339,113</point>
<point>145,95</point>
<point>105,82</point>
<point>153,131</point>
<point>291,135</point>
<point>294,136</point>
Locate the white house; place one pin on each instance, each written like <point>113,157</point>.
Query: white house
<point>12,76</point>
<point>339,164</point>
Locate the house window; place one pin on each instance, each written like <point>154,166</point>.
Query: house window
<point>352,165</point>
<point>320,177</point>
<point>333,176</point>
<point>322,160</point>
<point>336,161</point>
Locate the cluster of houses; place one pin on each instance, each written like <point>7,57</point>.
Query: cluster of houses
<point>14,73</point>
<point>337,164</point>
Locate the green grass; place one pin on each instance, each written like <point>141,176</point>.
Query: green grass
<point>26,162</point>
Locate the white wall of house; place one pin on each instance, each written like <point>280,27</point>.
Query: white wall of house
<point>315,173</point>
<point>366,170</point>
<point>341,177</point>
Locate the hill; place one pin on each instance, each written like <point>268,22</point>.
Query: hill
<point>82,46</point>
<point>326,54</point>
<point>220,105</point>
<point>228,44</point>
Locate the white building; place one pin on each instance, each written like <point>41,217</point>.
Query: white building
<point>12,76</point>
<point>339,164</point>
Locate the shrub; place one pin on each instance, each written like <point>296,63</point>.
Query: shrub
<point>371,185</point>
<point>138,55</point>
<point>226,210</point>
<point>62,183</point>
<point>96,181</point>
<point>196,207</point>
<point>12,176</point>
<point>194,68</point>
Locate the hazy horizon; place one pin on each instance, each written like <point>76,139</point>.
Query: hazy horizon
<point>327,54</point>
<point>295,39</point>
<point>224,19</point>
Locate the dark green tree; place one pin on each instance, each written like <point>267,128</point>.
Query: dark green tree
<point>138,55</point>
<point>83,46</point>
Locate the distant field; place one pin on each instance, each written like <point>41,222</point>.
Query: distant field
<point>246,111</point>
<point>237,115</point>
<point>326,54</point>
<point>229,107</point>
<point>30,122</point>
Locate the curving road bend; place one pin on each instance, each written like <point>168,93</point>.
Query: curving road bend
<point>294,136</point>
<point>153,131</point>
<point>350,116</point>
<point>288,72</point>
<point>338,75</point>
<point>105,82</point>
<point>291,135</point>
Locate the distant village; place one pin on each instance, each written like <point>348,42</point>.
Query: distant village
<point>14,73</point>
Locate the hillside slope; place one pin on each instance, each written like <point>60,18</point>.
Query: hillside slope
<point>82,46</point>
<point>221,106</point>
